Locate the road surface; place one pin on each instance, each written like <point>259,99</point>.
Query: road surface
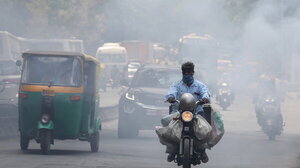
<point>243,146</point>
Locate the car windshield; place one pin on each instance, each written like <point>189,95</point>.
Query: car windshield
<point>52,70</point>
<point>8,68</point>
<point>113,58</point>
<point>162,78</point>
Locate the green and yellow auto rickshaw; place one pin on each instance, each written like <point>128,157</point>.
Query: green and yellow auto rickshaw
<point>59,99</point>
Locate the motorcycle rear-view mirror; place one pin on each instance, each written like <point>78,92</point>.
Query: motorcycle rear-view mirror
<point>18,63</point>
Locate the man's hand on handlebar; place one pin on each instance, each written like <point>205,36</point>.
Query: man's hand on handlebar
<point>203,101</point>
<point>171,100</point>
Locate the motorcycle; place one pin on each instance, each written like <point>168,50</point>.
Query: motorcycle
<point>188,154</point>
<point>224,96</point>
<point>269,117</point>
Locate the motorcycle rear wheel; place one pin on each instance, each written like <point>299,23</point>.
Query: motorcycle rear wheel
<point>45,141</point>
<point>272,137</point>
<point>186,163</point>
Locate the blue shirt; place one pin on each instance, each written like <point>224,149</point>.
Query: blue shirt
<point>197,89</point>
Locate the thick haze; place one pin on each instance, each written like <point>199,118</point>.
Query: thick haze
<point>254,31</point>
<point>258,36</point>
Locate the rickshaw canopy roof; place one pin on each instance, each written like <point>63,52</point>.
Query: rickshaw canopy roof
<point>61,53</point>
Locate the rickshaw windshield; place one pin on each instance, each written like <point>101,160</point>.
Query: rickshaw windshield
<point>52,70</point>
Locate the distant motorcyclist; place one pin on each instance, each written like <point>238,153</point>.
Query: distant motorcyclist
<point>266,88</point>
<point>224,94</point>
<point>188,85</point>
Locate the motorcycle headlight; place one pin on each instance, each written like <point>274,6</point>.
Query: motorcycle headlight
<point>224,92</point>
<point>129,96</point>
<point>187,116</point>
<point>45,119</point>
<point>224,84</point>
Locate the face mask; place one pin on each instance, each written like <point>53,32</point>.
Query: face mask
<point>188,79</point>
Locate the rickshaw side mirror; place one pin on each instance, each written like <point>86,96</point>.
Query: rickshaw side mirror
<point>124,82</point>
<point>18,63</point>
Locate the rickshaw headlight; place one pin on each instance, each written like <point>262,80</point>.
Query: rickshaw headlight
<point>45,119</point>
<point>187,116</point>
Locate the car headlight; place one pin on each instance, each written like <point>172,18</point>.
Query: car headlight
<point>45,119</point>
<point>129,96</point>
<point>187,116</point>
<point>270,100</point>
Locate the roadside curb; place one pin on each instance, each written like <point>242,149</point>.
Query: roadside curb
<point>109,113</point>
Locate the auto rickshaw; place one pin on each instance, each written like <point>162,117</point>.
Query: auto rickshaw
<point>59,99</point>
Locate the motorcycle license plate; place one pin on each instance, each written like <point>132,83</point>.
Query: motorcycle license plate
<point>186,129</point>
<point>48,93</point>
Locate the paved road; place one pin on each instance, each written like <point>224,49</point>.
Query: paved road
<point>243,146</point>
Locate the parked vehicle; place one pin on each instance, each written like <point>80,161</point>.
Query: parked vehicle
<point>132,68</point>
<point>59,99</point>
<point>142,105</point>
<point>9,82</point>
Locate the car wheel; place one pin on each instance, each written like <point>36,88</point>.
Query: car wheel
<point>126,126</point>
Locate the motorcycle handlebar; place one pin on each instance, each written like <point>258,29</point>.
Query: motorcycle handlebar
<point>199,102</point>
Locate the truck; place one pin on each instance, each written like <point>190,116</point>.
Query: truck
<point>10,46</point>
<point>72,45</point>
<point>203,51</point>
<point>139,51</point>
<point>294,75</point>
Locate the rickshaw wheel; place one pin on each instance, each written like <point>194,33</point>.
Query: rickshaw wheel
<point>94,142</point>
<point>24,142</point>
<point>45,141</point>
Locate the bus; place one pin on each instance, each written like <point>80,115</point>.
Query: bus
<point>114,59</point>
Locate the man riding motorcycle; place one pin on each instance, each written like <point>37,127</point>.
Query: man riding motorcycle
<point>267,101</point>
<point>188,85</point>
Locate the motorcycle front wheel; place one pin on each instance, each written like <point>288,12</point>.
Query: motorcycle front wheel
<point>186,162</point>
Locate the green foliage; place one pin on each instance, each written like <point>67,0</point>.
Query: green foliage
<point>239,9</point>
<point>96,21</point>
